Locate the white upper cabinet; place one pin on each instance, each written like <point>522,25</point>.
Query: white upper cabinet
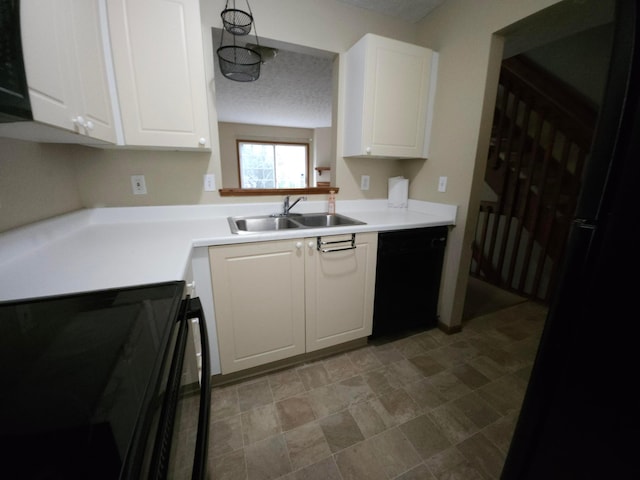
<point>66,70</point>
<point>389,96</point>
<point>159,66</point>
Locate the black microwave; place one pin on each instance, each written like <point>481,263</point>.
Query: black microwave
<point>14,93</point>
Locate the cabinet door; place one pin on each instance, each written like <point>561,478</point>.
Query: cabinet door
<point>340,288</point>
<point>388,89</point>
<point>46,37</point>
<point>159,66</point>
<point>66,68</point>
<point>258,293</point>
<point>96,101</point>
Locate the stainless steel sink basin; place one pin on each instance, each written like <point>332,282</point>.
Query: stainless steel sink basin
<point>260,224</point>
<point>267,223</point>
<point>317,220</point>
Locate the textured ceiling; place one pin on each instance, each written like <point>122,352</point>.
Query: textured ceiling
<point>294,88</point>
<point>411,11</point>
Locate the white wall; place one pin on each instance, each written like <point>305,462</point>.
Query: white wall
<point>36,182</point>
<point>463,32</point>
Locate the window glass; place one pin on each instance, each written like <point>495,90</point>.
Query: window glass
<point>272,165</point>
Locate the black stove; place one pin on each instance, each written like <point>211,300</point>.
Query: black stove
<point>91,383</point>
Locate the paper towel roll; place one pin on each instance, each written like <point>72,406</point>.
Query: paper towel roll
<point>398,192</point>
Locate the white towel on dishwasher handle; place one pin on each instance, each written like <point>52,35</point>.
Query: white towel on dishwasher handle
<point>398,192</point>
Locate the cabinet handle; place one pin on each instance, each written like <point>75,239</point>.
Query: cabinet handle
<point>298,245</point>
<point>202,141</point>
<point>310,244</point>
<point>80,122</point>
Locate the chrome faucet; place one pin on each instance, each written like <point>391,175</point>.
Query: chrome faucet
<point>286,207</point>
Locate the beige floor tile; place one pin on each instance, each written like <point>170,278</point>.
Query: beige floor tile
<point>340,367</point>
<point>425,394</point>
<point>455,425</point>
<point>364,360</point>
<point>267,459</point>
<point>379,381</point>
<point>354,390</point>
<point>314,376</point>
<point>409,347</point>
<point>323,470</point>
<point>295,411</point>
<point>427,364</point>
<point>341,430</point>
<point>425,436</point>
<point>421,472</point>
<point>395,451</point>
<point>476,409</point>
<point>285,384</point>
<point>452,465</point>
<point>224,402</point>
<point>326,400</point>
<point>360,462</point>
<point>306,445</point>
<point>254,394</point>
<point>259,423</point>
<point>505,394</point>
<point>400,405</point>
<point>225,436</point>
<point>387,355</point>
<point>483,455</point>
<point>448,385</point>
<point>368,419</point>
<point>231,466</point>
<point>501,431</point>
<point>468,375</point>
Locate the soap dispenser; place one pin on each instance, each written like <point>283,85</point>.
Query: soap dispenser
<point>332,202</point>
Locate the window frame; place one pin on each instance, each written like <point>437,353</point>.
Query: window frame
<point>274,143</point>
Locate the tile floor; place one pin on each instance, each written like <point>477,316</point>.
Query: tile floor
<point>430,406</point>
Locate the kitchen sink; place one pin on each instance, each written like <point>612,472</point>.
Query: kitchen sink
<point>317,220</point>
<point>268,223</point>
<point>260,224</point>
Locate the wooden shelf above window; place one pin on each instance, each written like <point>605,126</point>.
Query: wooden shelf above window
<point>254,192</point>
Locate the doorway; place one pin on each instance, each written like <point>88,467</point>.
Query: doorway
<point>511,261</point>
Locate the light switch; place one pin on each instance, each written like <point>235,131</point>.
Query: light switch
<point>442,184</point>
<point>138,185</point>
<point>364,182</point>
<point>209,182</point>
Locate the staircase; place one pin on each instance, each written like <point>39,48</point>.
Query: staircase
<point>542,132</point>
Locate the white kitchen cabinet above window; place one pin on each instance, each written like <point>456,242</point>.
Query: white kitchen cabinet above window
<point>389,97</point>
<point>159,67</point>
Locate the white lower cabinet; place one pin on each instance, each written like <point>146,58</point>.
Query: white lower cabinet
<point>339,291</point>
<point>277,299</point>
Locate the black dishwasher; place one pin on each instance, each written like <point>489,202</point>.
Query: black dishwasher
<point>409,266</point>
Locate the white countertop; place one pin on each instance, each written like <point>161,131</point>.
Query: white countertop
<point>116,247</point>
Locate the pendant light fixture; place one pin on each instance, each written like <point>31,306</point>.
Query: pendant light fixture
<point>238,63</point>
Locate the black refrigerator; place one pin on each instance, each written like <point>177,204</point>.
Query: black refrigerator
<point>580,417</point>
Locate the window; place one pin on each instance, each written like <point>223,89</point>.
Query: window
<point>273,164</point>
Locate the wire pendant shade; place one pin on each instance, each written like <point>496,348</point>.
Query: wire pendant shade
<point>241,64</point>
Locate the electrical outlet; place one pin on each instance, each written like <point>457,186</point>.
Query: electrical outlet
<point>364,182</point>
<point>138,185</point>
<point>209,182</point>
<point>442,184</point>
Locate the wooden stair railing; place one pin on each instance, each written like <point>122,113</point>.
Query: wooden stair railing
<point>542,133</point>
